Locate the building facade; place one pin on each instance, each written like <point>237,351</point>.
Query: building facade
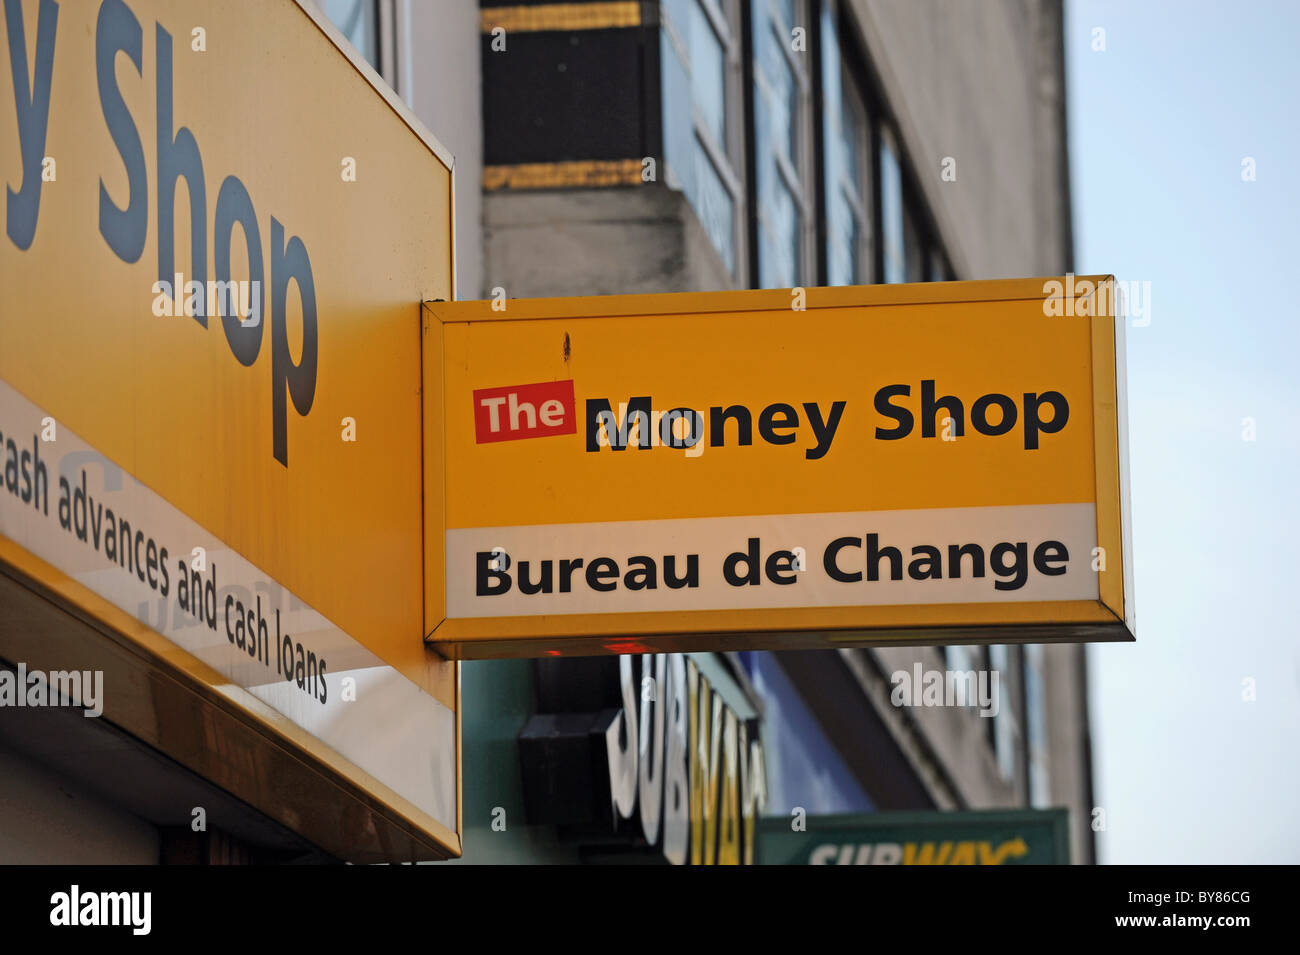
<point>689,145</point>
<point>683,145</point>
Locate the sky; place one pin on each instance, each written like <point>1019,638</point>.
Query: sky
<point>1187,768</point>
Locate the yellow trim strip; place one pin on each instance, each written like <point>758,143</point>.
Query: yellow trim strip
<point>1110,583</point>
<point>757,300</point>
<point>561,16</point>
<point>563,175</point>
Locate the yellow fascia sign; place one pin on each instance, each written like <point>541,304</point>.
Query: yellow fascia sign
<point>210,383</point>
<point>777,469</point>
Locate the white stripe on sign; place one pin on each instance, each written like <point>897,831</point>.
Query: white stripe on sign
<point>870,558</point>
<point>131,547</point>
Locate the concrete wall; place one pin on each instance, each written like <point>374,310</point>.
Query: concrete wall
<point>982,83</point>
<point>597,242</point>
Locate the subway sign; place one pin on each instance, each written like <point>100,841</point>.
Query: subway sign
<point>778,469</point>
<point>979,837</point>
<point>644,758</point>
<point>210,377</point>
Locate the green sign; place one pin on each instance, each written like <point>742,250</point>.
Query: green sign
<point>997,837</point>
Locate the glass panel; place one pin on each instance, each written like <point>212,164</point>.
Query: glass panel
<point>959,658</point>
<point>715,207</point>
<point>696,89</point>
<point>891,210</point>
<point>358,20</point>
<point>781,97</point>
<point>785,10</point>
<point>844,125</point>
<point>779,236</point>
<point>708,76</point>
<point>1006,732</point>
<point>776,108</point>
<point>679,135</point>
<point>913,249</point>
<point>1040,794</point>
<point>844,234</point>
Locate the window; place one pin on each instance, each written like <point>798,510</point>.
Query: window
<point>1006,728</point>
<point>939,270</point>
<point>358,20</point>
<point>781,143</point>
<point>960,659</point>
<point>914,254</point>
<point>846,138</point>
<point>1040,792</point>
<point>892,218</point>
<point>700,54</point>
<point>375,28</point>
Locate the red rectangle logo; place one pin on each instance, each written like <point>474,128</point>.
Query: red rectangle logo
<point>524,411</point>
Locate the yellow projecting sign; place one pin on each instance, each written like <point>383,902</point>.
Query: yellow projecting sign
<point>219,229</point>
<point>777,469</point>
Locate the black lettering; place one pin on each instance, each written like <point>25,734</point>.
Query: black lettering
<point>96,522</point>
<point>488,581</point>
<point>641,574</point>
<point>1019,570</point>
<point>41,478</point>
<point>830,562</point>
<point>780,567</point>
<point>80,523</point>
<point>602,574</point>
<point>32,104</point>
<point>930,410</point>
<point>151,558</point>
<point>896,412</point>
<point>65,504</point>
<point>750,558</point>
<point>823,431</point>
<point>110,534</point>
<point>744,425</point>
<point>875,552</point>
<point>768,422</point>
<point>1050,551</point>
<point>290,262</point>
<point>543,585</point>
<point>235,205</point>
<point>617,432</point>
<point>1035,424</point>
<point>567,567</point>
<point>210,597</point>
<point>124,229</point>
<point>178,156</point>
<point>691,435</point>
<point>955,554</point>
<point>980,410</point>
<point>692,578</point>
<point>123,540</point>
<point>926,563</point>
